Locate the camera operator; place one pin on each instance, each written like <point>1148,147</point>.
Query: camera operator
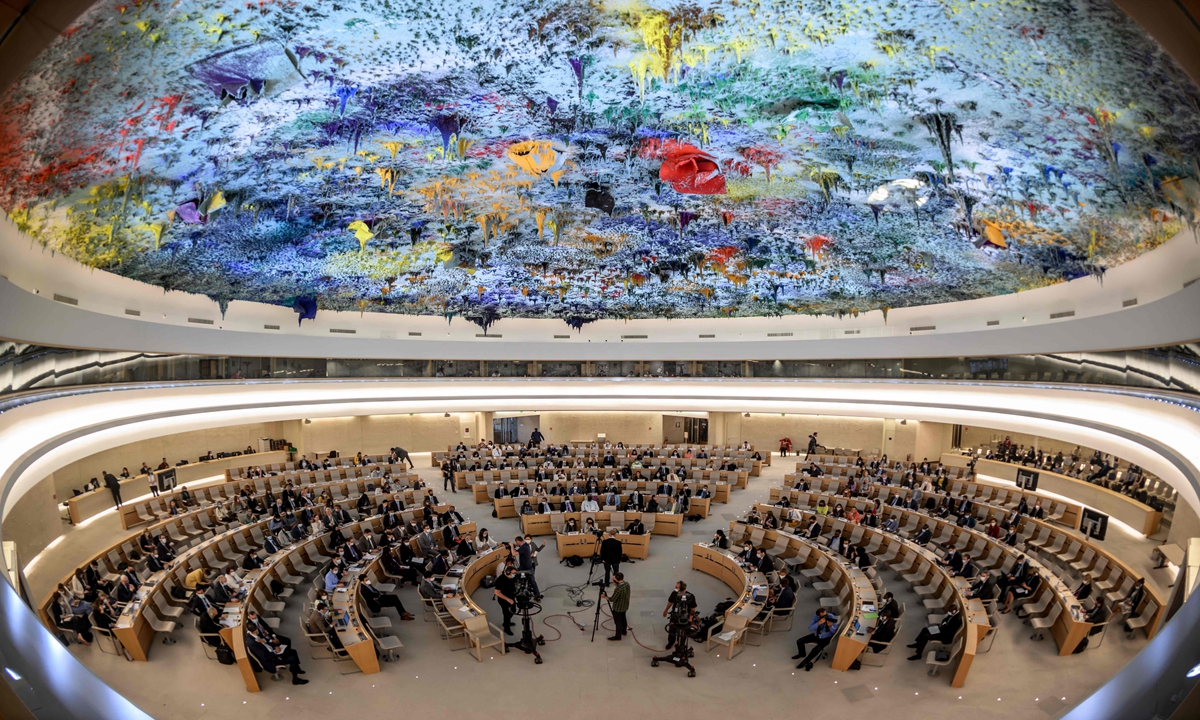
<point>505,592</point>
<point>610,553</point>
<point>684,605</point>
<point>619,603</point>
<point>525,564</point>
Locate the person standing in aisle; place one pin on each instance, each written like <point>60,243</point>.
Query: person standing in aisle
<point>619,603</point>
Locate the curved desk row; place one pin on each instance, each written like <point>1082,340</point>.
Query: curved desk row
<point>133,629</point>
<point>1111,574</point>
<point>988,553</point>
<point>147,510</point>
<point>916,559</point>
<point>1057,510</point>
<point>94,502</point>
<point>312,551</point>
<point>225,549</point>
<point>467,479</point>
<point>1137,515</point>
<point>284,465</point>
<point>486,491</point>
<point>859,601</point>
<point>511,507</point>
<point>460,587</point>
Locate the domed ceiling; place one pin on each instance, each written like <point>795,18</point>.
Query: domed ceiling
<point>583,160</point>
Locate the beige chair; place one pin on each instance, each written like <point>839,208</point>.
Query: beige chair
<point>731,633</point>
<point>1142,619</point>
<point>482,634</point>
<point>931,660</point>
<point>387,644</point>
<point>452,630</point>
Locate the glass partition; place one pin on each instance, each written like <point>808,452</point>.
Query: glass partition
<point>30,367</point>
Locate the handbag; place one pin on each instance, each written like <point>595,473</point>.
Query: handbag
<point>225,656</point>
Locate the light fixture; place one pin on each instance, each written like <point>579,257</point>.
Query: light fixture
<point>746,415</point>
<point>447,415</point>
<point>1190,673</point>
<point>307,421</point>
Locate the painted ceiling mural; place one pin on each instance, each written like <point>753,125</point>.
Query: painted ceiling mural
<point>586,159</point>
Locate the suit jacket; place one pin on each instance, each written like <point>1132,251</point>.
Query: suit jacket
<point>766,564</point>
<point>611,550</point>
<point>446,517</point>
<point>450,536</point>
<point>950,625</point>
<point>428,544</point>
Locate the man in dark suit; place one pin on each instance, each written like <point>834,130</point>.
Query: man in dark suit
<point>763,562</point>
<point>114,486</point>
<point>923,536</point>
<point>450,516</point>
<point>637,527</point>
<point>525,563</point>
<point>943,632</point>
<point>610,554</point>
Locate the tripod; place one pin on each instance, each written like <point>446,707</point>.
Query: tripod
<point>528,642</point>
<point>682,652</point>
<point>596,620</point>
<point>595,561</point>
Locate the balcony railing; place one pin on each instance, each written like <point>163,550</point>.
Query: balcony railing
<point>30,367</point>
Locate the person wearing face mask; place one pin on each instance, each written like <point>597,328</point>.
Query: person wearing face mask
<point>377,600</point>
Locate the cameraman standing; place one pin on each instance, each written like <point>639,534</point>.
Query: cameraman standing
<point>684,603</point>
<point>619,603</point>
<point>505,592</point>
<point>610,552</point>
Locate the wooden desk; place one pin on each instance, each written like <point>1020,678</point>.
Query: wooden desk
<point>132,628</point>
<point>459,602</point>
<point>484,491</point>
<point>235,635</point>
<point>975,620</point>
<point>664,523</point>
<point>1136,515</point>
<point>346,602</point>
<point>585,544</point>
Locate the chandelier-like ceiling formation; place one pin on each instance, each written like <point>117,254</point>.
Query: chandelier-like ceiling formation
<point>583,160</point>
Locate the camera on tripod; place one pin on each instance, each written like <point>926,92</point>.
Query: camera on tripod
<point>524,594</point>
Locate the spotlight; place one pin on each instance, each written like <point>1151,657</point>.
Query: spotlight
<point>746,415</point>
<point>1194,671</point>
<point>447,415</point>
<point>307,421</point>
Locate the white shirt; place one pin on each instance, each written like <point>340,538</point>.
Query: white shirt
<point>590,506</point>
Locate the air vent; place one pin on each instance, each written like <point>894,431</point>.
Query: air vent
<point>414,334</point>
<point>343,331</point>
<point>270,327</point>
<point>64,299</point>
<point>486,335</point>
<point>779,334</point>
<point>200,321</point>
<point>922,328</point>
<point>135,313</point>
<point>634,337</point>
<point>852,332</point>
<point>1129,303</point>
<point>1064,314</point>
<point>993,322</point>
<point>707,337</point>
<point>562,337</point>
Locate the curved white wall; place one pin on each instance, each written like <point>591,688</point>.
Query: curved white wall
<point>39,437</point>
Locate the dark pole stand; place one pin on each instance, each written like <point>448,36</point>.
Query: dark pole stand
<point>529,642</point>
<point>680,656</point>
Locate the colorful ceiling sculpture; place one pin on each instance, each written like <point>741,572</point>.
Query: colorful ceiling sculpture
<point>582,159</point>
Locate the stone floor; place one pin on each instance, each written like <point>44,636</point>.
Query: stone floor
<point>580,679</point>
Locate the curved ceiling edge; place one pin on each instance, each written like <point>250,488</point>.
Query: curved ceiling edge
<point>1124,696</point>
<point>39,320</point>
